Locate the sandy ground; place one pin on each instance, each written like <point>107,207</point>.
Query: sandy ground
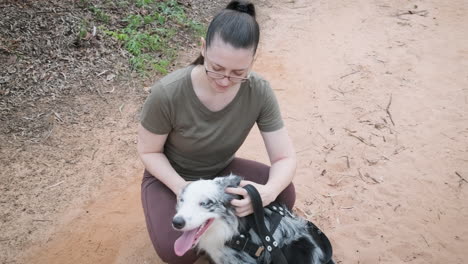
<point>375,99</point>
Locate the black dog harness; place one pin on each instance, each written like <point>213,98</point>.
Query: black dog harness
<point>256,221</point>
<point>243,242</point>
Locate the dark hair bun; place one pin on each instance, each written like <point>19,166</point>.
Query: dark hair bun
<point>242,6</point>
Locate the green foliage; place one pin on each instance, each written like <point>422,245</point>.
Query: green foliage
<point>147,35</point>
<point>123,4</point>
<point>143,3</point>
<point>83,30</point>
<point>100,15</point>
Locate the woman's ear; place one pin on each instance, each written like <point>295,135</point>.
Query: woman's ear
<point>203,46</point>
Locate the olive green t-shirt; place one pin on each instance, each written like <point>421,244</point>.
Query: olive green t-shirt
<point>200,142</point>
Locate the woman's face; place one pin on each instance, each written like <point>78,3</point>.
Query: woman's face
<point>222,58</point>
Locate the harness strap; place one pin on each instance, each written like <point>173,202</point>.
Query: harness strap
<point>243,242</point>
<point>267,238</point>
<point>277,215</point>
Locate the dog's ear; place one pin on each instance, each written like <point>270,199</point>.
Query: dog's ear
<point>229,181</point>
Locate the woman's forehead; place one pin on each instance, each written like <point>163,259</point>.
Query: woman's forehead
<point>229,57</point>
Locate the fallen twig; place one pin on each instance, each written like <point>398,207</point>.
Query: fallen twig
<point>55,184</point>
<point>458,174</point>
<point>409,12</point>
<point>331,198</point>
<point>347,161</point>
<point>374,179</point>
<point>58,117</point>
<point>336,90</point>
<point>97,248</point>
<point>48,134</point>
<point>425,240</point>
<point>346,75</point>
<point>388,110</point>
<point>41,220</point>
<point>461,179</point>
<point>361,139</point>
<point>368,176</point>
<point>337,182</point>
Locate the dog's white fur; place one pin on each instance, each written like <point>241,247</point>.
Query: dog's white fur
<point>193,209</point>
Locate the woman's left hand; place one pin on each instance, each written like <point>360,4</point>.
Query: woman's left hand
<point>244,206</point>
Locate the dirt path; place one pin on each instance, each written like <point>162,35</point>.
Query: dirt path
<point>376,101</point>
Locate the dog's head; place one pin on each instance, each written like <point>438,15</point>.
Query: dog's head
<point>200,204</point>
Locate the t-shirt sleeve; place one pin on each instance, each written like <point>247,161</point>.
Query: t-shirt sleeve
<point>269,118</point>
<point>156,114</point>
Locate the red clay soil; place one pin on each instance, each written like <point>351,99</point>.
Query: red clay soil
<point>374,95</point>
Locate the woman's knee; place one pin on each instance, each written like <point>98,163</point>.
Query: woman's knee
<point>166,254</point>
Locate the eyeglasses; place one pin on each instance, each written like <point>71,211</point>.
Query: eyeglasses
<point>217,75</point>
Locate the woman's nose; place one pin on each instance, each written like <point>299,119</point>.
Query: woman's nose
<point>224,81</point>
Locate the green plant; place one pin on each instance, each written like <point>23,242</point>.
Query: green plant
<point>83,29</point>
<point>143,3</point>
<point>147,37</point>
<point>100,15</point>
<point>123,4</point>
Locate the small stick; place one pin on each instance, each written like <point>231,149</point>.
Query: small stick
<point>94,153</point>
<point>336,90</point>
<point>346,75</point>
<point>58,117</point>
<point>425,240</point>
<point>98,247</point>
<point>338,182</point>
<point>374,179</point>
<point>48,134</point>
<point>41,220</point>
<point>422,12</point>
<point>388,110</point>
<point>361,139</point>
<point>347,161</point>
<point>461,178</point>
<point>99,74</point>
<point>349,130</point>
<point>360,175</point>
<point>55,184</point>
<point>331,198</point>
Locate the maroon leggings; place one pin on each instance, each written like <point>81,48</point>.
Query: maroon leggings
<point>159,207</point>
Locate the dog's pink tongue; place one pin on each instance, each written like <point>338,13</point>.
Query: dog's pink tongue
<point>184,243</point>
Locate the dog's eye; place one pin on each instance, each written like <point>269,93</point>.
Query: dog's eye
<point>207,203</point>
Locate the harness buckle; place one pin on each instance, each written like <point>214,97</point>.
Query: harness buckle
<point>259,251</point>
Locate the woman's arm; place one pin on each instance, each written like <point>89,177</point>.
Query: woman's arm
<point>150,147</point>
<point>283,166</point>
<point>283,162</point>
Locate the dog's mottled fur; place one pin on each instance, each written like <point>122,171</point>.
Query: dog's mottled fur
<point>206,199</point>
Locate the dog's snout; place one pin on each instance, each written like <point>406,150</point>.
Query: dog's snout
<point>178,222</point>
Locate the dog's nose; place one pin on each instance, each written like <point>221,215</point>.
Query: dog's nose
<point>178,222</point>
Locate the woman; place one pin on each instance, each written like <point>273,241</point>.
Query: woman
<point>195,120</point>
